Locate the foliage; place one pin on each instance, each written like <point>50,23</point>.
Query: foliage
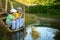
<point>45,10</point>
<point>45,2</point>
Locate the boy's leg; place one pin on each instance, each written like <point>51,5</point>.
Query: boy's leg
<point>17,24</point>
<point>9,23</point>
<point>21,22</point>
<point>13,24</point>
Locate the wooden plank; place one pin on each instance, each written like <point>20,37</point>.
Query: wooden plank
<point>22,29</point>
<point>2,13</point>
<point>3,17</point>
<point>5,27</point>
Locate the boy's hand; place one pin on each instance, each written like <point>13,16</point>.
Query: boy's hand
<point>14,19</point>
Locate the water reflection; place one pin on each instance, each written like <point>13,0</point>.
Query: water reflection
<point>45,33</point>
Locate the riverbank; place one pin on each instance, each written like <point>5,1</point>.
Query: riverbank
<point>33,18</point>
<point>30,19</point>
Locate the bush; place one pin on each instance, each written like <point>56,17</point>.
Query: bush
<point>52,10</point>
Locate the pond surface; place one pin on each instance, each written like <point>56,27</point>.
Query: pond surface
<point>46,33</point>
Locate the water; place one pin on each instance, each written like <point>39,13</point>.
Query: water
<point>46,33</point>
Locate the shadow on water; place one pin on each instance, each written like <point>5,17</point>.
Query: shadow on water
<point>57,36</point>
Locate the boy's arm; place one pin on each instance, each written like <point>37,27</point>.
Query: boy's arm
<point>21,15</point>
<point>14,18</point>
<point>10,17</point>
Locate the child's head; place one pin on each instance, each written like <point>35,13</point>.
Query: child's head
<point>13,11</point>
<point>19,10</point>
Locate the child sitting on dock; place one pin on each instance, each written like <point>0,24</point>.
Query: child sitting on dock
<point>18,15</point>
<point>10,20</point>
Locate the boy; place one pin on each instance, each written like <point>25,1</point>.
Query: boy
<point>10,20</point>
<point>18,15</point>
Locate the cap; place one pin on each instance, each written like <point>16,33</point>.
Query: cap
<point>13,10</point>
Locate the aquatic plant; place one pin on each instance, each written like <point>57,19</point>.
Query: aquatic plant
<point>25,33</point>
<point>35,34</point>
